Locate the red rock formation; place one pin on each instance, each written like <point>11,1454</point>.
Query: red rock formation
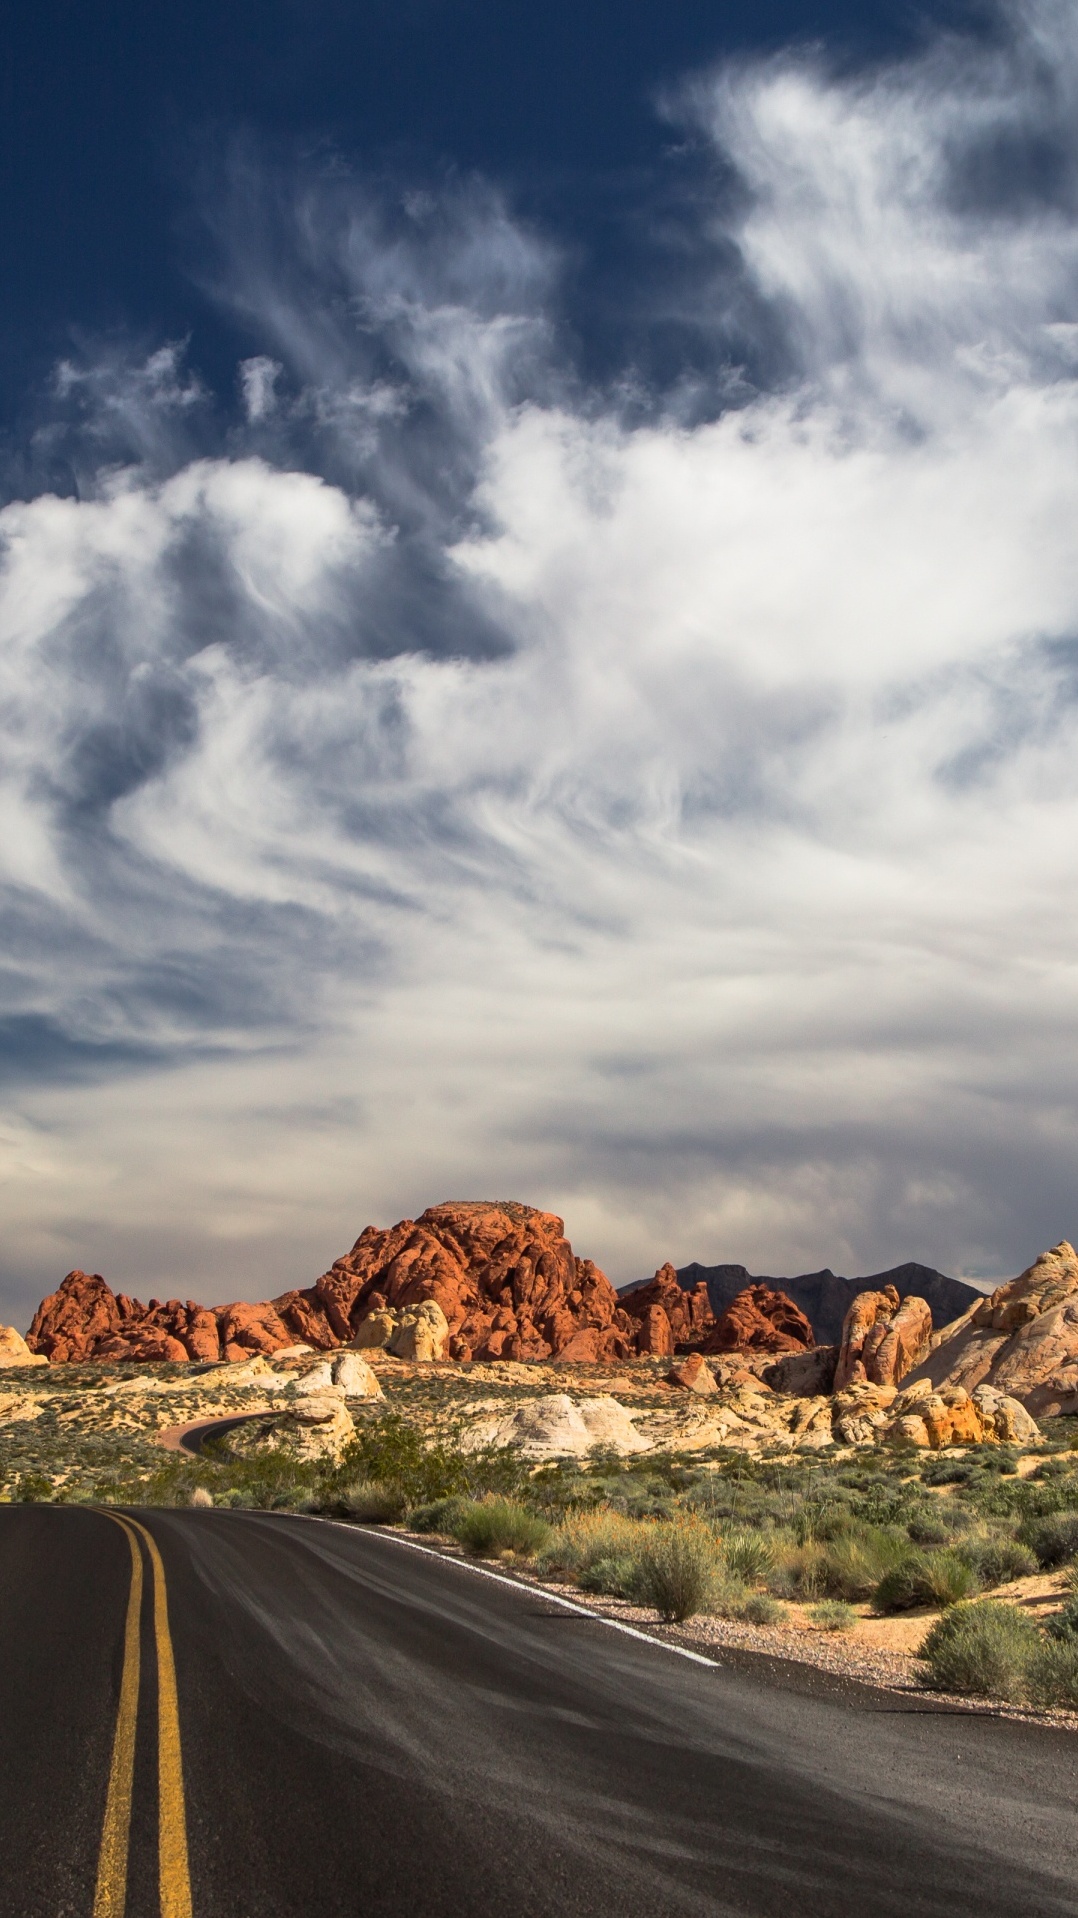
<point>688,1314</point>
<point>70,1322</point>
<point>760,1320</point>
<point>882,1338</point>
<point>505,1276</point>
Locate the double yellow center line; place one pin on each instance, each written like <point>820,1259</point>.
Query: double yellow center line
<point>173,1875</point>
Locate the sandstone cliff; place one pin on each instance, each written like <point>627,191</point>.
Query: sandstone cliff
<point>1022,1341</point>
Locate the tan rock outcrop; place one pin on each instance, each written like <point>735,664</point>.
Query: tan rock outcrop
<point>316,1426</point>
<point>356,1378</point>
<point>558,1426</point>
<point>421,1333</point>
<point>14,1349</point>
<point>883,1338</point>
<point>1022,1341</point>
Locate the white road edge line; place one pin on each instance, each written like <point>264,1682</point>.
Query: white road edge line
<point>516,1584</point>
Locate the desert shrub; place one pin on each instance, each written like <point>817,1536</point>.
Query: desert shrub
<point>1054,1540</point>
<point>925,1578</point>
<point>616,1576</point>
<point>761,1609</point>
<point>747,1555</point>
<point>371,1502</point>
<point>439,1516</point>
<point>729,1597</point>
<point>833,1615</point>
<point>1064,1625</point>
<point>678,1568</point>
<point>391,1448</point>
<point>200,1497</point>
<point>984,1649</point>
<point>33,1488</point>
<point>585,1539</point>
<point>849,1566</point>
<point>1053,1672</point>
<point>995,1561</point>
<point>939,1521</point>
<point>496,1525</point>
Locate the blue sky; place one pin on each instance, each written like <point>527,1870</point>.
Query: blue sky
<point>537,633</point>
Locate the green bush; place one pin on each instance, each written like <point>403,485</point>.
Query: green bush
<point>371,1502</point>
<point>1064,1625</point>
<point>849,1566</point>
<point>1053,1672</point>
<point>995,1561</point>
<point>1054,1540</point>
<point>679,1568</point>
<point>616,1576</point>
<point>833,1615</point>
<point>497,1525</point>
<point>761,1609</point>
<point>440,1516</point>
<point>747,1556</point>
<point>925,1578</point>
<point>585,1539</point>
<point>985,1650</point>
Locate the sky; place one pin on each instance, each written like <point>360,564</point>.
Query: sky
<point>538,633</point>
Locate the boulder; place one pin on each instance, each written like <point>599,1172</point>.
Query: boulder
<point>376,1331</point>
<point>316,1426</point>
<point>1022,1341</point>
<point>559,1427</point>
<point>760,1320</point>
<point>693,1375</point>
<point>15,1351</point>
<point>355,1377</point>
<point>421,1333</point>
<point>804,1374</point>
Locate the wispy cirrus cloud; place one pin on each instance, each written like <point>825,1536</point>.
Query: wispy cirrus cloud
<point>437,774</point>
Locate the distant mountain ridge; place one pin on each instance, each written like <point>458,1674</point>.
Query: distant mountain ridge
<point>825,1298</point>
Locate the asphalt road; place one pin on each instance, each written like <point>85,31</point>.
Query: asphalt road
<point>364,1729</point>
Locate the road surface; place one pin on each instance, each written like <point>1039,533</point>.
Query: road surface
<point>248,1715</point>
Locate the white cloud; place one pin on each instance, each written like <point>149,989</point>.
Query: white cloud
<point>699,857</point>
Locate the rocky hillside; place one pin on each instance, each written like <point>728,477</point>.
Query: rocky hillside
<point>825,1298</point>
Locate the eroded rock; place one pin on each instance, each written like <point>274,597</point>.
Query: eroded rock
<point>15,1351</point>
<point>1022,1341</point>
<point>760,1320</point>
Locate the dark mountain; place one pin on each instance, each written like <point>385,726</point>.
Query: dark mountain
<point>825,1298</point>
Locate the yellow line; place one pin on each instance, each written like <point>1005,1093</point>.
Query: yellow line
<point>111,1893</point>
<point>174,1875</point>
